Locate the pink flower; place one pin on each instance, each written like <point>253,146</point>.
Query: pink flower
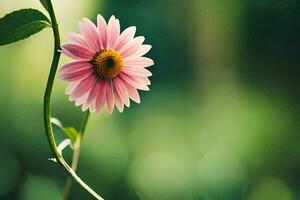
<point>108,66</point>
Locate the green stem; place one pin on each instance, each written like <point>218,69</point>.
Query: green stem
<point>76,154</point>
<point>84,122</point>
<point>48,91</point>
<point>47,105</point>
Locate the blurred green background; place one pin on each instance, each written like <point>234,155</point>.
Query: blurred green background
<point>221,121</point>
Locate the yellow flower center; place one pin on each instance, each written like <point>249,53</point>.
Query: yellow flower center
<point>107,63</point>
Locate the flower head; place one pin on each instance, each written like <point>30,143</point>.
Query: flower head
<point>108,66</point>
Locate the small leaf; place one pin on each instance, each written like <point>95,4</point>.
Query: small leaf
<point>21,24</point>
<point>45,4</point>
<point>72,133</point>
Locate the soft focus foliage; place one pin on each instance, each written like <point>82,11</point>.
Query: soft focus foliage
<point>21,24</point>
<point>219,123</point>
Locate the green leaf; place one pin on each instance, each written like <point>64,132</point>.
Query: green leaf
<point>21,24</point>
<point>72,133</point>
<point>45,4</point>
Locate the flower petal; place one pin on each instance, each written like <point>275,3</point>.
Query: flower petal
<point>141,51</point>
<point>144,80</point>
<point>113,31</point>
<point>75,66</point>
<point>121,89</point>
<point>77,38</point>
<point>125,37</point>
<point>76,76</point>
<point>138,62</point>
<point>71,87</point>
<point>90,33</point>
<point>135,82</point>
<point>136,71</point>
<point>102,30</point>
<point>101,97</point>
<point>83,87</point>
<point>77,51</point>
<point>133,93</point>
<point>132,46</point>
<point>92,107</point>
<point>92,96</point>
<point>118,99</point>
<point>79,101</point>
<point>109,97</point>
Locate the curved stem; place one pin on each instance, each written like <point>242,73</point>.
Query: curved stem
<point>76,154</point>
<point>48,91</point>
<point>47,105</point>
